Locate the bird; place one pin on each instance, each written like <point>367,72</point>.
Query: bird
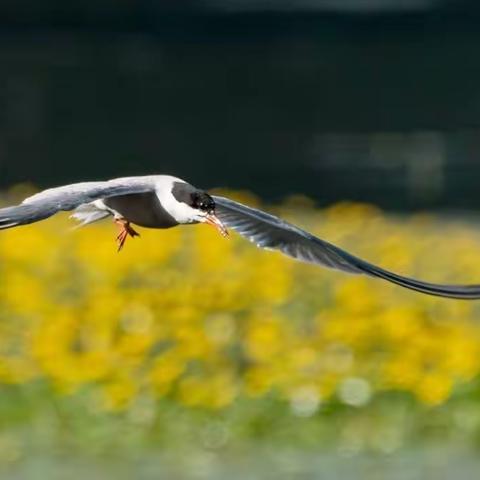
<point>164,201</point>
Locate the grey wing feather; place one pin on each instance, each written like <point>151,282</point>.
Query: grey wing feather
<point>66,198</point>
<point>271,232</point>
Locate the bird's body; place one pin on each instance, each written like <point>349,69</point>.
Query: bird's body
<point>142,209</point>
<point>163,201</point>
<point>149,200</point>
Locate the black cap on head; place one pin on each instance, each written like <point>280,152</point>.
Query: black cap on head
<point>203,201</point>
<point>195,198</point>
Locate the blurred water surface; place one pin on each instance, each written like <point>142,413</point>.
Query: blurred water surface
<point>441,463</point>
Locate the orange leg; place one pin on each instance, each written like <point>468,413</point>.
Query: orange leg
<point>125,231</point>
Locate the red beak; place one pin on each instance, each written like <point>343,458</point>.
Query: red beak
<point>213,220</point>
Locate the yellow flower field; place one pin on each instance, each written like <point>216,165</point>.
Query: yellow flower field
<point>201,320</point>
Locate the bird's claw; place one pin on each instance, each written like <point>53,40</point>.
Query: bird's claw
<point>125,231</point>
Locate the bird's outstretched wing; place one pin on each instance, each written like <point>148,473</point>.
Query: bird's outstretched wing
<point>270,232</point>
<point>45,204</point>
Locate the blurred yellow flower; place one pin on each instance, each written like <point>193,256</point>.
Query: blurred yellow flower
<point>206,320</point>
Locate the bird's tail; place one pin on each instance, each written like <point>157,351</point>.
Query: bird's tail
<point>88,213</point>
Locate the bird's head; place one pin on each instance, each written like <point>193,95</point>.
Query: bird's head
<point>204,204</point>
<point>202,201</point>
<point>196,206</point>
